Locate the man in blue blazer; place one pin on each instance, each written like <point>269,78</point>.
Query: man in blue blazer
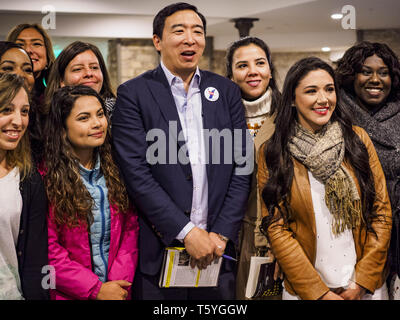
<point>181,142</point>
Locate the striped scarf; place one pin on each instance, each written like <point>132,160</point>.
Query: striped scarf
<point>323,153</point>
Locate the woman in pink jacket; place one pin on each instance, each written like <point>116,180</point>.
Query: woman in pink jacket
<point>92,229</point>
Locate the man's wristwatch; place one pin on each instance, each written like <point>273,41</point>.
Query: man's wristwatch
<point>223,238</point>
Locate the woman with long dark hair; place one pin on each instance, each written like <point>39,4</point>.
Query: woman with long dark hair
<point>325,204</point>
<point>81,63</point>
<point>369,75</point>
<point>14,59</point>
<point>249,65</point>
<point>92,227</point>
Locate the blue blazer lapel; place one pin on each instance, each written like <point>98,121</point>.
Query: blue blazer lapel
<point>162,94</point>
<point>208,107</point>
<point>208,113</point>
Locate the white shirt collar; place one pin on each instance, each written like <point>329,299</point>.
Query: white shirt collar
<point>171,77</point>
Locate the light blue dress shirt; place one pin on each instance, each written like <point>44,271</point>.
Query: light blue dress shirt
<point>189,107</point>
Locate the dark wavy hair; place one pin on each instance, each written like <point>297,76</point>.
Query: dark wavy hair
<point>7,45</point>
<point>57,71</point>
<point>243,42</point>
<point>65,189</point>
<point>276,193</point>
<point>351,64</point>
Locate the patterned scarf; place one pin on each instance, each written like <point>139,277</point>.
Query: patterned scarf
<point>323,153</point>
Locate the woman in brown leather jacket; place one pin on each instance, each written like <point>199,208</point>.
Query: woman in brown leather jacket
<point>322,180</point>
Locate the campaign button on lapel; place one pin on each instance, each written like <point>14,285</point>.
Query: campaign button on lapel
<point>211,94</point>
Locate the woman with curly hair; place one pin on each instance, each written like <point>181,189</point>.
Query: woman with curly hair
<point>369,75</point>
<point>23,202</point>
<point>93,229</point>
<point>249,65</point>
<point>326,209</point>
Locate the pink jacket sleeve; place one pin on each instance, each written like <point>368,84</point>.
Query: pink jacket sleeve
<point>72,278</point>
<point>126,260</point>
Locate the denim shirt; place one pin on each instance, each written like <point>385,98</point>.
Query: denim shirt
<point>100,228</point>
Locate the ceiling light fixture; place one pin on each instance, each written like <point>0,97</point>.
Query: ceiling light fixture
<point>326,49</point>
<point>337,16</point>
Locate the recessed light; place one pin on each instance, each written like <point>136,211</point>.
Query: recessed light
<point>326,49</point>
<point>336,16</point>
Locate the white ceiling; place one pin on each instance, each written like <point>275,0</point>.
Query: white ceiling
<point>286,25</point>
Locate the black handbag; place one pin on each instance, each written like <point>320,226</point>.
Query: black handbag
<point>266,285</point>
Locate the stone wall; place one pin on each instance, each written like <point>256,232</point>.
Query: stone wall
<point>128,58</point>
<point>219,62</point>
<point>389,36</point>
<point>282,62</point>
<point>139,55</point>
<point>112,63</point>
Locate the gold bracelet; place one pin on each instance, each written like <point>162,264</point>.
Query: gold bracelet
<point>223,238</point>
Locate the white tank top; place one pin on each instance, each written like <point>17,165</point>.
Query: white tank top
<point>10,215</point>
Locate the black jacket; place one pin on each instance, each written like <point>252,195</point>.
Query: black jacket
<point>163,192</point>
<point>32,245</point>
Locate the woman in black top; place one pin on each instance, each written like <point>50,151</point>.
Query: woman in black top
<point>369,75</point>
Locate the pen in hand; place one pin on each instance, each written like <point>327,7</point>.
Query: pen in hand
<point>228,257</point>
